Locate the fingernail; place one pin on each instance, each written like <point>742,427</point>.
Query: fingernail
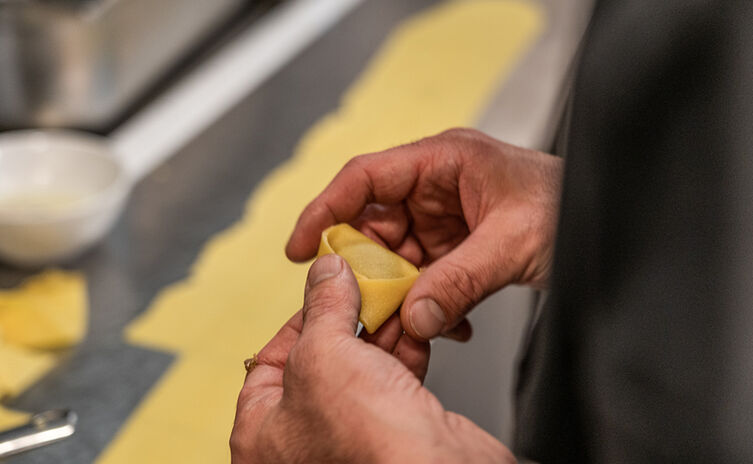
<point>427,318</point>
<point>324,268</point>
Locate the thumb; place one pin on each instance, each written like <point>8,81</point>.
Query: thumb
<point>451,286</point>
<point>332,300</point>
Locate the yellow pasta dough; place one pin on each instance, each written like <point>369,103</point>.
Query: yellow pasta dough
<point>48,311</point>
<point>10,419</point>
<point>383,276</point>
<point>20,367</point>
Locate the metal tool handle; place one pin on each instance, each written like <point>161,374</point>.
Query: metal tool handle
<point>42,429</point>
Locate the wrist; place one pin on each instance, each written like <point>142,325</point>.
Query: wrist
<point>457,440</point>
<point>466,442</point>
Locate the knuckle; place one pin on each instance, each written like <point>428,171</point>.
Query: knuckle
<point>464,289</point>
<point>237,443</point>
<point>241,444</point>
<point>309,366</point>
<point>323,298</point>
<point>300,358</point>
<point>305,358</point>
<point>461,144</point>
<point>296,375</point>
<point>356,163</point>
<point>245,396</point>
<point>466,141</point>
<point>318,207</point>
<point>460,133</point>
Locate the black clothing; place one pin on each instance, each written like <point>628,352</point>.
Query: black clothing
<point>644,350</point>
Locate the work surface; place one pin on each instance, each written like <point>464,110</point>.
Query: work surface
<point>200,191</point>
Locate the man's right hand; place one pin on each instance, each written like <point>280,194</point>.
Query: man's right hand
<point>481,214</point>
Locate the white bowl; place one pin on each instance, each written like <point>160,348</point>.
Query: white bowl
<point>60,192</point>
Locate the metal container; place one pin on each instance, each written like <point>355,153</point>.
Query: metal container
<point>80,63</point>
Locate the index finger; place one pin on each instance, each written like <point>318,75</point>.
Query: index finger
<point>270,362</point>
<point>386,177</point>
<point>262,388</point>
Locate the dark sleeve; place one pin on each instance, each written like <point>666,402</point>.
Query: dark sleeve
<point>644,352</point>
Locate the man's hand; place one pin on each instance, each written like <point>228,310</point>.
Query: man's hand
<point>480,213</point>
<point>318,394</point>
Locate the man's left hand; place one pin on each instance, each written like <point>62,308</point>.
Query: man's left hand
<point>320,394</point>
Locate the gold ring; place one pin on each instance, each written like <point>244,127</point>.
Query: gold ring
<point>251,363</point>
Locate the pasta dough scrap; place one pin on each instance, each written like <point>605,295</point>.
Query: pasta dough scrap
<point>48,311</point>
<point>384,277</point>
<point>21,367</point>
<point>10,419</point>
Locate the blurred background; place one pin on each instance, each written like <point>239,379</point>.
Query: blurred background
<point>158,120</point>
